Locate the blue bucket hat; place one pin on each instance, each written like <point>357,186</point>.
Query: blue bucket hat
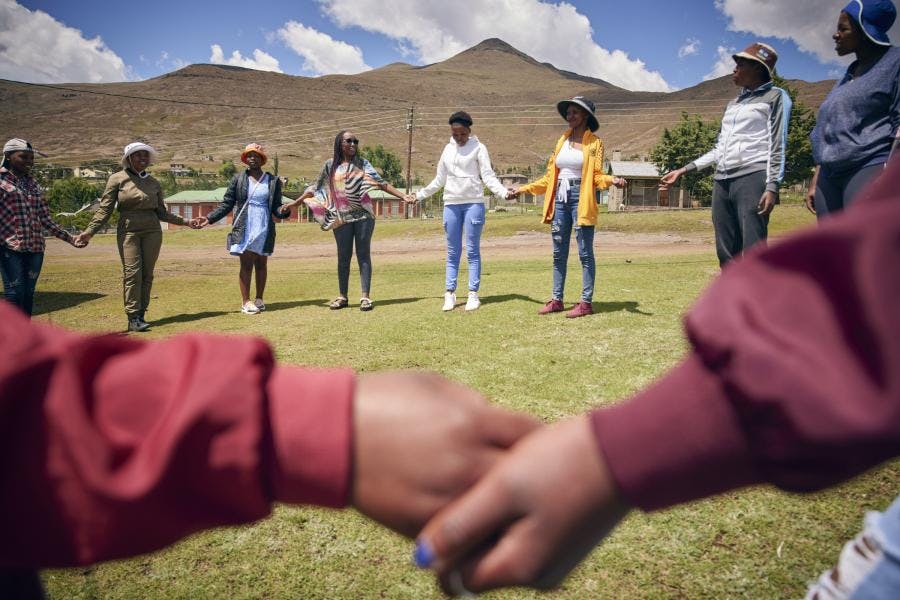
<point>874,17</point>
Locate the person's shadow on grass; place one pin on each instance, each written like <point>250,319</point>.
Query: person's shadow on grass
<point>295,304</point>
<point>628,306</point>
<point>389,301</point>
<point>47,302</point>
<point>507,298</point>
<point>187,317</point>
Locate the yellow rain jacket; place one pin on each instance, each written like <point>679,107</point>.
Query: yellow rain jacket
<point>591,171</point>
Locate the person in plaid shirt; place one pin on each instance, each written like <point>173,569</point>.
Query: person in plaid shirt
<point>24,216</point>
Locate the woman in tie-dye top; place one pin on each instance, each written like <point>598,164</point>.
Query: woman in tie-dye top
<point>341,203</point>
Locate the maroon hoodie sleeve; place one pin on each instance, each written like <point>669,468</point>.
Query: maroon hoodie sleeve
<point>794,374</point>
<point>111,446</point>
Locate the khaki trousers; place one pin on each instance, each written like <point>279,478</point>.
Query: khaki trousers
<point>138,251</point>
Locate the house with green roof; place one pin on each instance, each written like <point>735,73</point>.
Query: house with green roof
<point>199,203</point>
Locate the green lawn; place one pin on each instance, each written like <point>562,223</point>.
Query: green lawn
<point>757,543</point>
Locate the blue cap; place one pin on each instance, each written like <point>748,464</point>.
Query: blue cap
<point>874,17</point>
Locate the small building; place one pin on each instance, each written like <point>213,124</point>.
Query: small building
<point>179,170</point>
<point>642,188</point>
<point>387,206</point>
<point>89,173</point>
<point>517,179</point>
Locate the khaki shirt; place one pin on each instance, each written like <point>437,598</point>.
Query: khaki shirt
<point>140,201</point>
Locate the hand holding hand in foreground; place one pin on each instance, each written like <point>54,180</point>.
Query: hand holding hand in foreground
<point>420,440</point>
<point>531,519</point>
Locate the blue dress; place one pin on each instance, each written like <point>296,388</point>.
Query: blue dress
<point>257,219</point>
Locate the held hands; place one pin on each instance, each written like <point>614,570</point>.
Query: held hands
<point>420,441</point>
<point>670,178</point>
<point>198,222</point>
<point>619,182</point>
<point>766,203</point>
<point>512,192</point>
<point>82,239</point>
<point>531,519</point>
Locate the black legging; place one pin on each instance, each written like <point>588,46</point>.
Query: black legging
<point>361,233</point>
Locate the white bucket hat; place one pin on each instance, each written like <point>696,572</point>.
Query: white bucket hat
<point>136,147</point>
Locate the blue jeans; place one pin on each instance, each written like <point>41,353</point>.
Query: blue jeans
<point>470,215</point>
<point>864,574</point>
<point>565,216</point>
<point>20,271</point>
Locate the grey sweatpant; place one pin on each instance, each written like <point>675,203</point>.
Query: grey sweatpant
<point>734,214</point>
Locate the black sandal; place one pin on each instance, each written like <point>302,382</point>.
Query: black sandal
<point>338,303</point>
<point>365,304</point>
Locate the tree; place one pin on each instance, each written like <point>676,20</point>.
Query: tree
<point>70,194</point>
<point>385,161</point>
<point>798,153</point>
<point>690,138</point>
<point>227,170</point>
<point>275,165</point>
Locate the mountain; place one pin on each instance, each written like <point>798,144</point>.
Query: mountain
<point>204,111</point>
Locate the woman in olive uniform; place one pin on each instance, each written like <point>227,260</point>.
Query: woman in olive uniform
<point>139,198</point>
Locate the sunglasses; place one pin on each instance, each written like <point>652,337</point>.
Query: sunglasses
<point>353,141</point>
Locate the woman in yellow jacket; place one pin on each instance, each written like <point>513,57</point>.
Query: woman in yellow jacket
<point>574,172</point>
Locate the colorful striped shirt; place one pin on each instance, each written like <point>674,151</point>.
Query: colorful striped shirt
<point>24,214</point>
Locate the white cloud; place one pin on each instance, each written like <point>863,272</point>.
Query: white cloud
<point>724,63</point>
<point>260,61</point>
<point>322,54</point>
<point>691,46</point>
<point>808,23</point>
<point>37,48</point>
<point>555,33</point>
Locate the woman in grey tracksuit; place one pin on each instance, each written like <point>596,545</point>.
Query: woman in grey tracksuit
<point>749,155</point>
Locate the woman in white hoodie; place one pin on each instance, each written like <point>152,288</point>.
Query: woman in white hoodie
<point>463,171</point>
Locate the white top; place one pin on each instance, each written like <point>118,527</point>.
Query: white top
<point>463,171</point>
<point>569,161</point>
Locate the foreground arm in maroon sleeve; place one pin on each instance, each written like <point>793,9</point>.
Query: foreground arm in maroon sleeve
<point>111,447</point>
<point>794,378</point>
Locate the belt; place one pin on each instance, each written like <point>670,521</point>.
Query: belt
<point>576,181</point>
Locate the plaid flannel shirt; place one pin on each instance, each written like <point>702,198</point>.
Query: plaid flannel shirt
<point>24,214</point>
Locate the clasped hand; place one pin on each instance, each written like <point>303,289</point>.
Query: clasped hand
<point>506,502</point>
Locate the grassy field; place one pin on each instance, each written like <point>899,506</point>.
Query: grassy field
<point>757,543</point>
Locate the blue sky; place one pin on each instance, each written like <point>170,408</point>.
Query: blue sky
<point>641,44</point>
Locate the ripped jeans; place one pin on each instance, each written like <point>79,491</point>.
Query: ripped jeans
<point>470,215</point>
<point>20,272</point>
<point>869,565</point>
<point>565,216</point>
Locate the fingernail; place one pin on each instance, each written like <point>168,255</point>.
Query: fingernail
<point>423,555</point>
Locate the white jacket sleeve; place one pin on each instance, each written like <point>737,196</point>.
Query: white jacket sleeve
<point>440,179</point>
<point>487,173</point>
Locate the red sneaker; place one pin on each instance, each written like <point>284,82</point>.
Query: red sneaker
<point>552,306</point>
<point>582,309</point>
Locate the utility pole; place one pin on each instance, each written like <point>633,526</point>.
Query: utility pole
<point>410,114</point>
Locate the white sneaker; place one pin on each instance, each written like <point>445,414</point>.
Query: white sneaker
<point>259,304</point>
<point>249,308</point>
<point>449,301</point>
<point>473,302</point>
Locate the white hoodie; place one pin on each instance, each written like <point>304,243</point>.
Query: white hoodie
<point>463,171</point>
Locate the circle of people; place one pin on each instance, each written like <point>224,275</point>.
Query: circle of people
<point>504,523</point>
<point>852,139</point>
